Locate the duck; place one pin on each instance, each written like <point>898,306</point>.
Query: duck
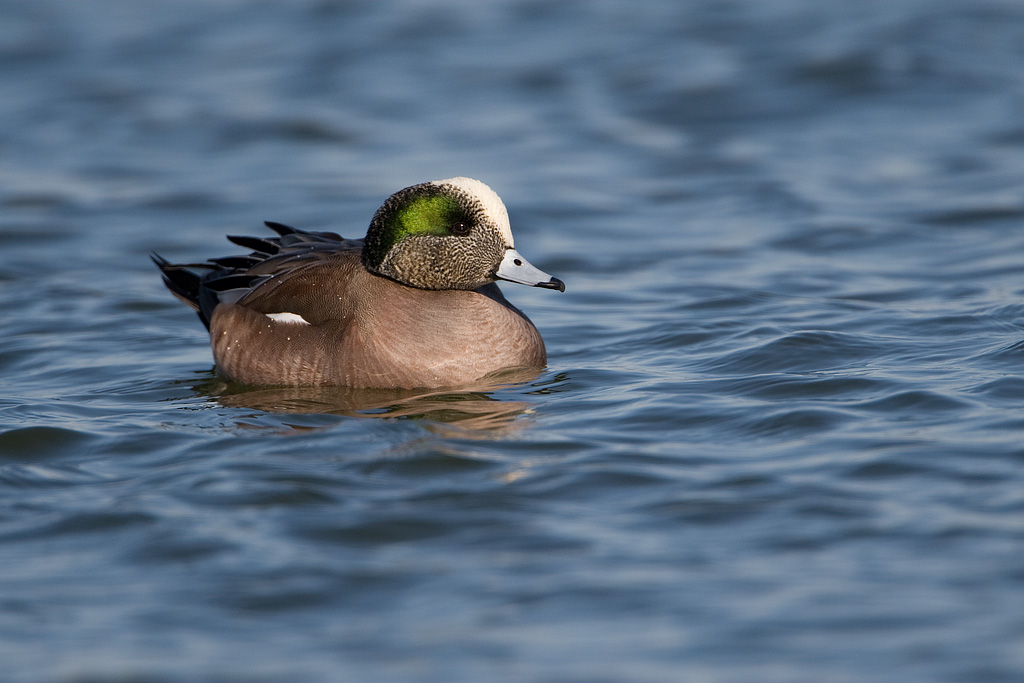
<point>413,304</point>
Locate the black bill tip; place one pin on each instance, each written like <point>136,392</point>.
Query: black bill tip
<point>553,283</point>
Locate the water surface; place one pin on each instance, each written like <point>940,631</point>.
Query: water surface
<point>780,434</point>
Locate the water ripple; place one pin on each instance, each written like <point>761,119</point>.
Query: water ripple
<point>809,350</point>
<point>779,437</point>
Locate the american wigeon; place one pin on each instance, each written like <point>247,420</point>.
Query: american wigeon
<point>412,305</point>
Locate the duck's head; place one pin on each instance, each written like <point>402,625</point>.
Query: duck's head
<point>447,234</point>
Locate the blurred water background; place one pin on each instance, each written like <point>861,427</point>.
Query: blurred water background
<point>780,437</point>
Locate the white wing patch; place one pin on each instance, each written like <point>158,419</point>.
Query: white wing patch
<point>287,318</point>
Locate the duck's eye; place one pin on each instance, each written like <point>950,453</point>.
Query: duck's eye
<point>460,229</point>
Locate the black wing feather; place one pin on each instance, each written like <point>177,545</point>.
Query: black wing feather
<point>259,245</point>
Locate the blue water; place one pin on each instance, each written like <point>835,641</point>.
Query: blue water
<point>780,436</point>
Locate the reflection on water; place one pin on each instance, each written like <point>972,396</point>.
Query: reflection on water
<point>465,410</point>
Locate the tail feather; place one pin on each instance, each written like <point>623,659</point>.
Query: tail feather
<point>184,284</point>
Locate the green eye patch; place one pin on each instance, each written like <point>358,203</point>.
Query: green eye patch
<point>425,216</point>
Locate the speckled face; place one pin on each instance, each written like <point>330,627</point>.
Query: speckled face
<point>449,234</point>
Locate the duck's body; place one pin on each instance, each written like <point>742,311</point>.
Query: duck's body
<point>363,330</point>
<point>316,309</point>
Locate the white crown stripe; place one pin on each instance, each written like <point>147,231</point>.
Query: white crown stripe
<point>493,206</point>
